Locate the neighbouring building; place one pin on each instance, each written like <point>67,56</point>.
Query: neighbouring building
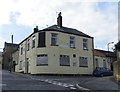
<point>104,58</point>
<point>56,50</point>
<point>1,59</point>
<point>9,48</point>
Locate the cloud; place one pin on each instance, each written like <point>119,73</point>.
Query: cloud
<point>94,18</point>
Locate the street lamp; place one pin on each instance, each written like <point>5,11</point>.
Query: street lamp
<point>109,44</point>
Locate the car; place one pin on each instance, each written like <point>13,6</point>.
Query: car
<point>102,71</point>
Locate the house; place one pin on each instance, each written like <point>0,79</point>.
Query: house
<point>9,48</point>
<point>0,59</point>
<point>56,50</point>
<point>104,58</point>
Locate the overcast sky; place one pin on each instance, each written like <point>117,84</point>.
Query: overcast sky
<point>97,18</point>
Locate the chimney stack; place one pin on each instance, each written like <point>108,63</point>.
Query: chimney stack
<point>59,20</point>
<point>12,39</point>
<point>36,29</point>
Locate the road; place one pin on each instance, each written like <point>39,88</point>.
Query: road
<point>12,81</point>
<point>18,81</point>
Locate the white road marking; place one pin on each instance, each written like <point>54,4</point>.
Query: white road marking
<point>3,84</point>
<point>73,88</point>
<point>82,88</point>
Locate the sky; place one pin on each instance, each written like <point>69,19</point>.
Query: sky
<point>97,18</point>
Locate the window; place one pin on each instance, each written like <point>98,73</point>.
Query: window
<point>20,67</point>
<point>28,46</point>
<point>72,42</point>
<point>54,39</point>
<point>97,62</point>
<point>41,39</point>
<point>104,63</point>
<point>64,60</point>
<point>21,50</point>
<point>42,60</point>
<point>85,44</point>
<point>83,62</point>
<point>33,41</point>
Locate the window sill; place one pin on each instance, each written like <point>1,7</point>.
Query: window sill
<point>84,66</point>
<point>73,47</point>
<point>42,65</point>
<point>85,49</point>
<point>54,45</point>
<point>64,65</point>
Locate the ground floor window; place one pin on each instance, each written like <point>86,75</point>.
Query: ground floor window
<point>83,62</point>
<point>97,62</point>
<point>104,63</point>
<point>20,67</point>
<point>64,60</point>
<point>42,60</point>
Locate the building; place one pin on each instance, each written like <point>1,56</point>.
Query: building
<point>0,59</point>
<point>104,58</point>
<point>9,48</point>
<point>56,50</point>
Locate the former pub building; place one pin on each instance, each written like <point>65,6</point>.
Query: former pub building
<point>56,50</point>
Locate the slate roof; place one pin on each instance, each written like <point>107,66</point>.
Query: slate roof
<point>103,53</point>
<point>66,30</point>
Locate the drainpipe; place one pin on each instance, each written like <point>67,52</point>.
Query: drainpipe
<point>25,57</point>
<point>93,54</point>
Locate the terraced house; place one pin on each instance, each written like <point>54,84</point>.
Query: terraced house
<point>56,50</point>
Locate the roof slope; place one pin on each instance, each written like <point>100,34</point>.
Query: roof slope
<point>98,52</point>
<point>66,30</point>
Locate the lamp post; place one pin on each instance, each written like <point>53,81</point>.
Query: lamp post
<point>109,61</point>
<point>109,44</point>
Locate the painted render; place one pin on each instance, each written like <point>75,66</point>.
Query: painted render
<point>54,52</point>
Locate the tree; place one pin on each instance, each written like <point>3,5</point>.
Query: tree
<point>117,46</point>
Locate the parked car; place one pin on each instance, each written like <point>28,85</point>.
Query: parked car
<point>101,71</point>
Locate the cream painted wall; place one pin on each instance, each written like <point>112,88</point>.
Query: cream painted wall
<point>53,55</point>
<point>1,57</point>
<point>100,60</point>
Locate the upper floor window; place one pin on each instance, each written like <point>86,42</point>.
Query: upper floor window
<point>85,44</point>
<point>72,42</point>
<point>28,45</point>
<point>54,39</point>
<point>21,50</point>
<point>33,41</point>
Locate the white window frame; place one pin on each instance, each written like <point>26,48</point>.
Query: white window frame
<point>64,60</point>
<point>82,61</point>
<point>54,37</point>
<point>85,44</point>
<point>42,60</point>
<point>33,41</point>
<point>96,62</point>
<point>72,42</point>
<point>20,65</point>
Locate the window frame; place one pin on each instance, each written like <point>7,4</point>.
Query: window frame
<point>42,55</point>
<point>54,37</point>
<point>61,62</point>
<point>84,59</point>
<point>72,42</point>
<point>33,41</point>
<point>85,44</point>
<point>21,50</point>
